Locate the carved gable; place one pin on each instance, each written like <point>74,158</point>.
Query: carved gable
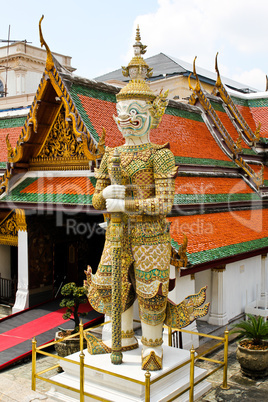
<point>62,149</point>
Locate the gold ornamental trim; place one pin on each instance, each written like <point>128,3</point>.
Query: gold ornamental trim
<point>21,220</point>
<point>92,152</point>
<point>49,62</point>
<point>30,126</point>
<point>4,181</point>
<point>71,114</point>
<point>9,240</point>
<point>250,137</point>
<point>234,148</point>
<point>179,258</point>
<point>61,150</point>
<point>9,230</point>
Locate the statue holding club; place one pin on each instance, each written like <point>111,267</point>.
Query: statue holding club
<point>141,201</point>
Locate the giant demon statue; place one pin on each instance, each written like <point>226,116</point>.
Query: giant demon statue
<point>144,198</point>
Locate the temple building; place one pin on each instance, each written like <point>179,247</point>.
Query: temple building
<point>49,230</point>
<point>172,74</point>
<point>21,67</point>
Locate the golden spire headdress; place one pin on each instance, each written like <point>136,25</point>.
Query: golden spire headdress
<point>137,88</point>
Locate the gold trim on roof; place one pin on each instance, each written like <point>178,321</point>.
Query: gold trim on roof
<point>49,62</point>
<point>233,149</point>
<point>250,137</point>
<point>21,220</point>
<point>30,125</point>
<point>179,258</point>
<point>91,150</point>
<point>10,151</point>
<point>61,149</point>
<point>9,230</point>
<point>4,181</point>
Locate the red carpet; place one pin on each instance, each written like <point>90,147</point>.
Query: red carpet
<point>42,322</point>
<point>36,327</point>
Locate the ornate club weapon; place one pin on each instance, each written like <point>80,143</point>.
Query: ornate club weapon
<point>116,235</point>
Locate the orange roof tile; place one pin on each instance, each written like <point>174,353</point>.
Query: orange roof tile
<point>211,185</point>
<point>260,115</point>
<point>230,127</point>
<point>246,112</point>
<point>60,185</point>
<point>180,132</point>
<point>211,231</point>
<point>187,138</point>
<point>100,113</point>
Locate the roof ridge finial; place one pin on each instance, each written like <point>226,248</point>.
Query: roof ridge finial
<point>138,68</point>
<point>139,48</point>
<point>137,88</point>
<point>138,35</point>
<point>49,62</point>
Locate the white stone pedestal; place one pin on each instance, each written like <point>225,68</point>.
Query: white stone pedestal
<point>113,388</point>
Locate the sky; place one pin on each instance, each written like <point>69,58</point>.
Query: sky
<point>99,35</point>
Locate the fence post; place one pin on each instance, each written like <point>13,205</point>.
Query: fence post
<point>81,335</point>
<point>33,364</point>
<point>82,362</point>
<point>224,381</point>
<point>191,390</point>
<point>147,386</point>
<point>169,336</point>
<point>82,376</point>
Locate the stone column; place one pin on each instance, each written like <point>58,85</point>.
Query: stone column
<point>264,293</point>
<point>263,276</point>
<point>218,315</point>
<point>22,295</point>
<point>20,81</point>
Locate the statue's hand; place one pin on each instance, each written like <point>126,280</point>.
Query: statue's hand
<point>114,191</point>
<point>115,205</point>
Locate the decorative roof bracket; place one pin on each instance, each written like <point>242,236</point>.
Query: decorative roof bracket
<point>250,137</point>
<point>215,122</point>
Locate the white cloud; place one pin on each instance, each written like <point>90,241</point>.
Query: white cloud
<point>234,28</point>
<point>255,78</point>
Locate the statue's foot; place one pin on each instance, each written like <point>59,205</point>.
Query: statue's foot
<point>95,346</point>
<point>151,362</point>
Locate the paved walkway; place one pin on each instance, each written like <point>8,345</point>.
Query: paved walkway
<point>15,382</point>
<point>241,387</point>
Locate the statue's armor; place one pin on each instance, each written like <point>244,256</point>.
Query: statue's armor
<point>148,173</point>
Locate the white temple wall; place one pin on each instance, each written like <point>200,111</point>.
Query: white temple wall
<point>230,289</point>
<point>5,261</point>
<point>243,279</point>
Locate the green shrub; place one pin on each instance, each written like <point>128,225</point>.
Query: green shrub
<point>73,297</point>
<point>255,329</point>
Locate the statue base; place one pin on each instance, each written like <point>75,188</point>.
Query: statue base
<point>113,388</point>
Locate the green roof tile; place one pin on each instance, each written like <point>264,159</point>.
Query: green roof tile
<point>203,161</point>
<point>13,122</point>
<point>17,195</point>
<point>223,252</point>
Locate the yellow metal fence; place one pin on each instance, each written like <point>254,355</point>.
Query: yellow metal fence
<point>147,376</point>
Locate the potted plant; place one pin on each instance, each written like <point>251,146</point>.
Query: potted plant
<point>73,297</point>
<point>252,350</point>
